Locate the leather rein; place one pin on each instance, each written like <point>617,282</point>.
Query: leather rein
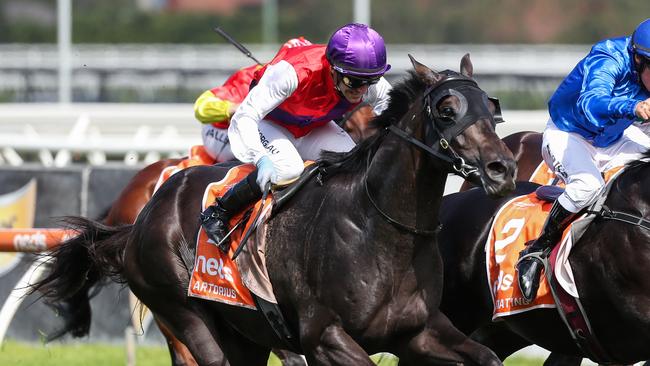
<point>440,148</point>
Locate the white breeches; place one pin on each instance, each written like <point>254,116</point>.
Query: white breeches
<point>288,152</point>
<point>215,141</point>
<point>580,164</point>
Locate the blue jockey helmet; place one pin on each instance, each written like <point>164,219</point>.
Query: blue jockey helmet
<point>640,42</point>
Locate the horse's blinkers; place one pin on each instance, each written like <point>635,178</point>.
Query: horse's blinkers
<point>449,127</point>
<point>443,129</point>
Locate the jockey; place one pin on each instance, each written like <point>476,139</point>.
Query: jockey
<point>214,107</point>
<point>287,115</point>
<point>590,131</point>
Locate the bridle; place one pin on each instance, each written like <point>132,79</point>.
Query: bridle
<point>439,131</point>
<point>442,129</point>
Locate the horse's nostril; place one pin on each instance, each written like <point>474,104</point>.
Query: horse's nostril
<point>497,168</point>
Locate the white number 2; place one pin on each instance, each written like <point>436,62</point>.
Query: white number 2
<point>499,245</point>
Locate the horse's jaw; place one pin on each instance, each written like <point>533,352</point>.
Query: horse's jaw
<point>498,188</point>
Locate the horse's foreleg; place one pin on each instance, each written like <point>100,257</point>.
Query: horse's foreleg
<point>180,355</point>
<point>500,339</point>
<point>333,346</point>
<point>441,343</point>
<point>192,330</point>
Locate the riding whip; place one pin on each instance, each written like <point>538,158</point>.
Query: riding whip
<point>232,41</point>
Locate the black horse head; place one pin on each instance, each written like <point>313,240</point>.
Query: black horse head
<point>462,126</point>
<point>447,116</point>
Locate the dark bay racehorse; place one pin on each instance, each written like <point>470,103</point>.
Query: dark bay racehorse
<point>357,122</point>
<point>140,188</point>
<point>354,263</point>
<point>526,146</point>
<point>610,265</point>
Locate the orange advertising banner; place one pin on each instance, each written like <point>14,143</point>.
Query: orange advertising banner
<point>32,240</point>
<point>518,221</point>
<point>17,211</point>
<point>216,275</point>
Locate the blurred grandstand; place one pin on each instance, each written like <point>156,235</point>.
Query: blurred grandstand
<point>178,73</point>
<point>132,103</point>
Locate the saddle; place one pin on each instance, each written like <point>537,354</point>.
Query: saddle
<point>242,280</point>
<point>549,193</point>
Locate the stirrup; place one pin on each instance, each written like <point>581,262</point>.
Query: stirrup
<point>538,255</point>
<point>224,245</point>
<point>203,217</point>
<point>538,258</point>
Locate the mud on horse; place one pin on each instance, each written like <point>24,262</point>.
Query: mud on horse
<point>367,279</point>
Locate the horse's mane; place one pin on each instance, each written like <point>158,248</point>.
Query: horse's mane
<point>401,98</point>
<point>644,159</point>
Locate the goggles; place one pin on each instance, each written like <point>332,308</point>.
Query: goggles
<point>645,62</point>
<point>355,82</point>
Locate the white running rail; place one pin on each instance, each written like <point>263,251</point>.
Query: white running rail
<point>58,135</point>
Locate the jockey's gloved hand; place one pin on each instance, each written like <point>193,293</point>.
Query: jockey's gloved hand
<point>265,171</point>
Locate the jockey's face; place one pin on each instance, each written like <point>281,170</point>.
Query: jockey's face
<point>352,88</point>
<point>645,70</point>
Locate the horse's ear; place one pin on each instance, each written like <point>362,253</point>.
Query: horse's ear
<point>466,67</point>
<point>427,75</point>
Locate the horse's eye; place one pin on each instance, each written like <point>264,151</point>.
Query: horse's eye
<point>447,112</point>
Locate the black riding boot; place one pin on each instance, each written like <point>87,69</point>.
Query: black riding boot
<point>215,218</point>
<point>529,268</point>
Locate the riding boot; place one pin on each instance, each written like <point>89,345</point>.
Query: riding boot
<point>530,267</point>
<point>215,218</point>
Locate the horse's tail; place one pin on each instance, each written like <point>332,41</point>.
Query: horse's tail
<point>79,265</point>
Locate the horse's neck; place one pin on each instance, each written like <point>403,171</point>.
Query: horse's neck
<point>407,182</point>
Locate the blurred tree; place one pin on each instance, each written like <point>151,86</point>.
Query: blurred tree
<point>405,21</point>
<point>313,19</point>
<point>27,21</point>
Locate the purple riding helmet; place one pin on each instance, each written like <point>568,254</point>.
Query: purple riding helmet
<point>357,50</point>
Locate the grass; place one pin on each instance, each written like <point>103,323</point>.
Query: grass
<point>14,353</point>
<point>78,354</point>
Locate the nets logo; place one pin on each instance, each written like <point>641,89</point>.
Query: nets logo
<point>213,267</point>
<point>30,242</point>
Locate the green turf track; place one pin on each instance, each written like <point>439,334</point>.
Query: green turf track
<point>83,354</point>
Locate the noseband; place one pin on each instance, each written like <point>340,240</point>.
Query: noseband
<point>440,130</point>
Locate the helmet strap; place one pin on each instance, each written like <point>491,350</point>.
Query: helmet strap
<point>336,77</point>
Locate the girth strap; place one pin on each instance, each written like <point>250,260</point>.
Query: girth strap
<point>608,214</point>
<point>273,315</point>
<point>574,317</point>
